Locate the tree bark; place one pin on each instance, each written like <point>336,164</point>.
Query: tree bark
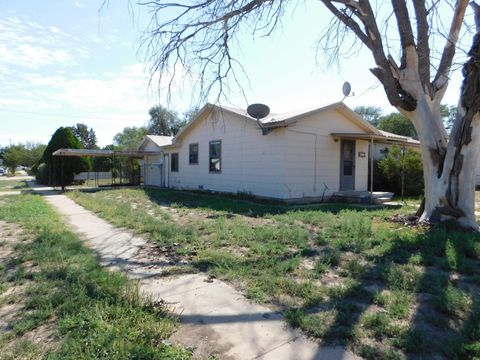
<point>450,164</point>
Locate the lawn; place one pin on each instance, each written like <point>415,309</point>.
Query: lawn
<point>343,274</point>
<point>59,303</point>
<point>13,185</point>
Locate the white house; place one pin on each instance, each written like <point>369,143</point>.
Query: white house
<point>300,155</point>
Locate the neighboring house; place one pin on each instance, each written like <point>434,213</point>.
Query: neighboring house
<point>301,155</point>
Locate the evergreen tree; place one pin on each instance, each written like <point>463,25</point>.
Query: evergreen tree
<point>61,170</point>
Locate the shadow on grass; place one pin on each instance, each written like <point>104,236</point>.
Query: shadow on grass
<point>239,204</point>
<point>441,323</point>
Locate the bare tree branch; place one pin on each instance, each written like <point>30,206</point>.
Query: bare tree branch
<point>423,47</point>
<point>404,28</point>
<point>441,78</point>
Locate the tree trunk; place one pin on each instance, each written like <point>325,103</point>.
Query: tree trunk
<point>449,164</point>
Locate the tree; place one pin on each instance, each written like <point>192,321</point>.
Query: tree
<point>129,138</point>
<point>163,122</point>
<point>190,114</point>
<point>22,154</point>
<point>448,112</point>
<point>396,162</point>
<point>200,36</point>
<point>12,157</point>
<point>61,170</point>
<point>370,113</point>
<point>398,124</point>
<point>86,136</point>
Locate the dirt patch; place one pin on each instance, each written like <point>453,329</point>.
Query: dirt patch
<point>13,295</point>
<point>204,341</point>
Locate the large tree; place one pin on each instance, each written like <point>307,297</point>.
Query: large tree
<point>200,34</point>
<point>163,121</point>
<point>61,170</point>
<point>129,138</point>
<point>87,137</point>
<point>22,154</point>
<point>398,124</point>
<point>370,113</point>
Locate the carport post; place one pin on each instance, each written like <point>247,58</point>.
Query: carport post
<point>403,169</point>
<point>371,168</point>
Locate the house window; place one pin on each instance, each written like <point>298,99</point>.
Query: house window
<point>193,154</point>
<point>215,158</point>
<point>174,162</point>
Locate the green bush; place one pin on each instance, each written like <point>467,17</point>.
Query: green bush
<point>62,169</point>
<point>388,172</point>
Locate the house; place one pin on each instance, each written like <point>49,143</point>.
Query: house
<point>300,155</point>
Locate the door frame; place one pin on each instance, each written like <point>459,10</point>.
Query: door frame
<point>354,142</point>
<point>166,171</point>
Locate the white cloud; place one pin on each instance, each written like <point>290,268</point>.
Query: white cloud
<point>79,4</point>
<point>26,43</point>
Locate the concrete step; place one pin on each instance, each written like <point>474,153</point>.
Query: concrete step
<point>382,194</point>
<point>381,200</point>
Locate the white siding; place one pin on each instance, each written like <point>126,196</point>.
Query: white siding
<point>309,171</point>
<point>152,168</point>
<point>250,163</point>
<point>288,163</point>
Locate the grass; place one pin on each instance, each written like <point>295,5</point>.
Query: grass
<point>92,312</point>
<point>343,274</point>
<point>13,185</point>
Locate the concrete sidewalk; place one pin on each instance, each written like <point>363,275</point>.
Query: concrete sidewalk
<point>216,319</point>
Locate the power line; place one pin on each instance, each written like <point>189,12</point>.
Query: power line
<point>59,115</point>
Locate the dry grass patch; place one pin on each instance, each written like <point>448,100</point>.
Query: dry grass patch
<point>342,274</point>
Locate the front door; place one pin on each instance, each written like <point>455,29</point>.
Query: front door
<point>347,165</point>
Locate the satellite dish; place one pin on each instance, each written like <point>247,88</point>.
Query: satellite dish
<point>258,111</point>
<point>346,88</point>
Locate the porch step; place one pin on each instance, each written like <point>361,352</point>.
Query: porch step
<point>381,200</point>
<point>352,197</point>
<point>382,194</point>
<point>362,197</point>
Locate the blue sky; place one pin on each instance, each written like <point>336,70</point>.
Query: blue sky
<point>65,61</point>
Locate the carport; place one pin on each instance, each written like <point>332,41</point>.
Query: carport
<point>116,169</point>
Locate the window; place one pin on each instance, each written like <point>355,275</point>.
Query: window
<point>215,158</point>
<point>174,162</point>
<point>193,154</point>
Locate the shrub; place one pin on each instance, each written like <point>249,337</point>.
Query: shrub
<point>388,172</point>
<point>62,170</point>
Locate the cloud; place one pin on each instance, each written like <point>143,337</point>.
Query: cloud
<point>79,4</point>
<point>26,43</point>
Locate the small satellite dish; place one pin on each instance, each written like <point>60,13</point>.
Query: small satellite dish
<point>346,88</point>
<point>258,111</point>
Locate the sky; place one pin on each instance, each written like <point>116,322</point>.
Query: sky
<point>64,62</point>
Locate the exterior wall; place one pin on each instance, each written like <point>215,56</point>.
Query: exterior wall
<point>152,175</point>
<point>312,157</point>
<point>250,163</point>
<point>380,150</point>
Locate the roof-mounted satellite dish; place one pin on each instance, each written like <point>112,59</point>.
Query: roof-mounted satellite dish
<point>259,111</point>
<point>347,89</point>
